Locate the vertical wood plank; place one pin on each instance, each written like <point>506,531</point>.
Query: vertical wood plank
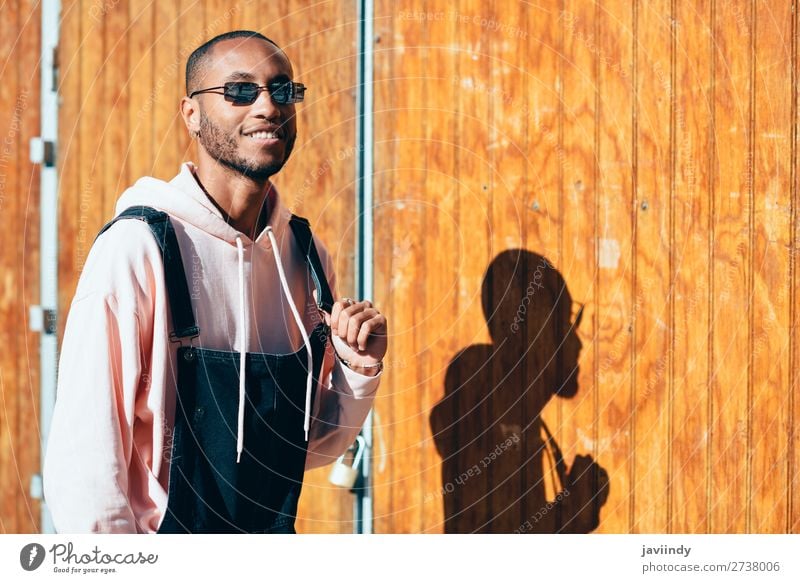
<point>20,49</point>
<point>793,467</point>
<point>442,258</point>
<point>192,31</point>
<point>168,68</point>
<point>577,412</point>
<point>771,240</point>
<point>535,101</point>
<point>92,115</point>
<point>614,344</point>
<point>468,508</point>
<point>10,156</point>
<point>653,301</point>
<point>72,234</point>
<point>511,392</point>
<point>405,451</point>
<point>385,99</point>
<point>730,329</point>
<point>115,132</point>
<point>250,16</point>
<point>691,268</point>
<point>141,47</point>
<point>27,440</point>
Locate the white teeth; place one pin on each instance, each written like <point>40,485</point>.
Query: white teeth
<point>263,135</point>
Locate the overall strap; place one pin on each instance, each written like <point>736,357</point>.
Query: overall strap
<point>183,323</point>
<point>302,233</point>
<point>561,466</point>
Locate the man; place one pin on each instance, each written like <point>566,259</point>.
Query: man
<point>196,379</point>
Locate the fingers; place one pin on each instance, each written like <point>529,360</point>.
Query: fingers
<point>336,312</point>
<point>356,324</point>
<point>354,321</point>
<point>369,327</point>
<point>339,315</point>
<point>348,317</point>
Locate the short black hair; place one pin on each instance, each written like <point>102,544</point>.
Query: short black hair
<point>197,59</point>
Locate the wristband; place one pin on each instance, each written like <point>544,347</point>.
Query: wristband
<point>348,364</point>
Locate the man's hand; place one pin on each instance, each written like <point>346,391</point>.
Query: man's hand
<point>363,329</point>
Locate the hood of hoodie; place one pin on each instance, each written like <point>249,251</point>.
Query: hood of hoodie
<point>183,197</point>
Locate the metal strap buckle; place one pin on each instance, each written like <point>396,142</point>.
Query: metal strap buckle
<point>174,338</point>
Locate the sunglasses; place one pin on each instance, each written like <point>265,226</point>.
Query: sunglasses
<point>246,92</point>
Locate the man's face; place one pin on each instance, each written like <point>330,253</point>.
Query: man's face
<point>230,133</point>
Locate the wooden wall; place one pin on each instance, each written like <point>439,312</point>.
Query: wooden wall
<point>586,224</point>
<point>122,78</point>
<point>20,38</point>
<point>638,159</point>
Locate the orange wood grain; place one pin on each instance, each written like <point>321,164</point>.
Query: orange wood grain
<point>469,381</point>
<point>20,49</point>
<point>115,128</point>
<point>517,378</point>
<point>92,113</point>
<point>660,334</point>
<point>731,267</point>
<point>441,253</point>
<point>691,270</point>
<point>793,429</point>
<point>771,254</point>
<point>11,153</point>
<point>537,101</point>
<point>577,412</point>
<point>169,86</point>
<point>140,80</point>
<point>653,271</point>
<point>28,456</point>
<point>388,252</point>
<point>614,340</point>
<point>648,150</point>
<point>70,235</point>
<point>405,421</point>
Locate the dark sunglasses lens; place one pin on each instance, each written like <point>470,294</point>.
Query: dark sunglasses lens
<point>241,93</point>
<point>281,93</point>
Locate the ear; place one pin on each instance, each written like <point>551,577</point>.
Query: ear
<point>190,112</point>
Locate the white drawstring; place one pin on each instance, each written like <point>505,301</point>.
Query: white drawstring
<point>242,352</point>
<point>296,314</point>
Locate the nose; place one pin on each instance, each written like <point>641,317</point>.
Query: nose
<point>264,106</point>
<point>576,342</point>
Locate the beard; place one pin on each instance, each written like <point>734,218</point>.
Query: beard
<point>223,148</point>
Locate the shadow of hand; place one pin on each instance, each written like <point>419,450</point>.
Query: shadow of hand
<point>585,492</point>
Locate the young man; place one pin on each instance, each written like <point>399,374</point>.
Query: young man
<point>204,364</point>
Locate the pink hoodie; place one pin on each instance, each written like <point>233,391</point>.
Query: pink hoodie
<point>107,460</point>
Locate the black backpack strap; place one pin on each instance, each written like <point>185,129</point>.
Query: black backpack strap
<point>183,323</point>
<point>302,233</point>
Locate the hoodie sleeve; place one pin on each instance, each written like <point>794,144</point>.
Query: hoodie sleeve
<point>343,400</point>
<point>91,436</point>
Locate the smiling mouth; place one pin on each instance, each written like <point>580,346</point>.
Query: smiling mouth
<point>264,136</point>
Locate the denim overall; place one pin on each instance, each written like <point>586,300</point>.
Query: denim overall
<point>209,492</point>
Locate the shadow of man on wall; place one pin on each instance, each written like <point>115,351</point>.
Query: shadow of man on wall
<point>502,470</point>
